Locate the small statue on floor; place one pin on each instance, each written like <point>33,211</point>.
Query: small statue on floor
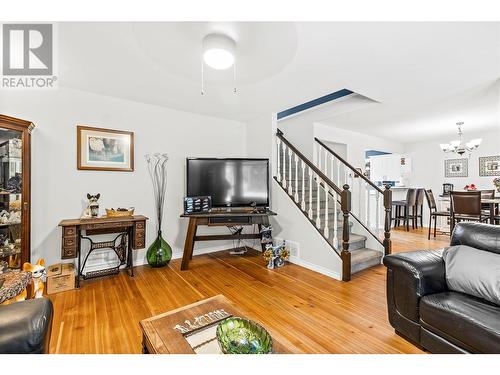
<point>38,273</point>
<point>276,255</point>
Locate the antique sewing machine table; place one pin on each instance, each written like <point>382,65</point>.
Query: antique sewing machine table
<point>130,235</point>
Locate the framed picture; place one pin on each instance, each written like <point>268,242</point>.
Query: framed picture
<point>104,149</point>
<point>456,168</point>
<point>489,166</point>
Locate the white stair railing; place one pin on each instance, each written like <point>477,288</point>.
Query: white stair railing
<point>372,204</point>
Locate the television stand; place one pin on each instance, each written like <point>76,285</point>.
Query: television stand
<point>219,218</point>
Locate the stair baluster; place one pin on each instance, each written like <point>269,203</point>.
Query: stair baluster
<point>377,212</point>
<point>303,203</point>
<point>326,231</point>
<point>283,179</point>
<point>335,218</point>
<point>310,212</point>
<point>331,167</point>
<point>290,188</point>
<point>367,205</point>
<point>296,179</point>
<point>318,220</point>
<point>278,171</point>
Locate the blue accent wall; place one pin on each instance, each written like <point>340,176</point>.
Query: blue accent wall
<point>374,153</point>
<point>313,103</point>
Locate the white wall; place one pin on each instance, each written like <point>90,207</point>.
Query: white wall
<point>357,143</point>
<point>59,189</point>
<point>428,164</point>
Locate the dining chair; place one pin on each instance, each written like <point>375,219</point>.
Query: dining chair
<point>419,207</point>
<point>407,206</point>
<point>466,206</point>
<point>487,194</point>
<point>433,212</point>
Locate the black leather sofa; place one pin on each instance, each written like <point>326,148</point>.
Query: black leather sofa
<point>25,327</point>
<point>424,311</point>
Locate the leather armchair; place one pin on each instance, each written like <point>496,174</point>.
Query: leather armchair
<point>25,327</point>
<point>424,311</point>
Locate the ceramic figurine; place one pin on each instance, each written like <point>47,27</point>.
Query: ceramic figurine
<point>93,206</point>
<point>266,234</point>
<point>276,255</point>
<point>37,272</point>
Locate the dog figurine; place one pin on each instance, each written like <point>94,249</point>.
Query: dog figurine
<point>92,209</point>
<point>37,272</point>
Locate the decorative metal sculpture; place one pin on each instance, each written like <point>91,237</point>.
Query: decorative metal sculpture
<point>276,255</point>
<point>159,252</point>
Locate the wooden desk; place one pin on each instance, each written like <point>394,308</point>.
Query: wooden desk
<point>134,227</point>
<point>218,219</point>
<point>160,337</point>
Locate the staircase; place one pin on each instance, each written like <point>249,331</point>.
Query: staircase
<point>329,208</point>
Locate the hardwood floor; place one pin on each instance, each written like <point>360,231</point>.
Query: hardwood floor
<point>316,313</point>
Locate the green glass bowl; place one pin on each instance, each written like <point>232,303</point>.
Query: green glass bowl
<point>242,336</point>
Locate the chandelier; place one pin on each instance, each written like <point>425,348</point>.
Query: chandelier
<point>458,146</point>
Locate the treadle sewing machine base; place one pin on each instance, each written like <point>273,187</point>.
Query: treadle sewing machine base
<point>131,235</point>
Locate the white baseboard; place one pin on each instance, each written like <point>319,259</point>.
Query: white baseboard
<point>314,267</point>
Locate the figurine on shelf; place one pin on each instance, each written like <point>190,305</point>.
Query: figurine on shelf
<point>266,234</point>
<point>276,255</point>
<point>92,209</point>
<point>15,184</point>
<point>38,273</point>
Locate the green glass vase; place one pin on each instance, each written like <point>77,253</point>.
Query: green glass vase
<point>159,252</point>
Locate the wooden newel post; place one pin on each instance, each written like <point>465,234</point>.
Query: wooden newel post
<point>388,216</point>
<point>345,205</point>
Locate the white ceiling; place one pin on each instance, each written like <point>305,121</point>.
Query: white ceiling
<point>408,68</point>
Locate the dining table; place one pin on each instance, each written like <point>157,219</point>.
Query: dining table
<point>493,204</point>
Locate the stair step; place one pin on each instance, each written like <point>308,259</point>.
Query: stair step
<point>356,241</point>
<point>365,258</point>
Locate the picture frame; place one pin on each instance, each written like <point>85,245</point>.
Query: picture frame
<point>489,166</point>
<point>456,168</point>
<point>100,149</point>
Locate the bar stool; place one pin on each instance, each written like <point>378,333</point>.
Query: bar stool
<point>419,204</point>
<point>406,206</point>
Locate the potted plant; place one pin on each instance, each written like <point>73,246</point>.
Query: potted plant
<point>496,182</point>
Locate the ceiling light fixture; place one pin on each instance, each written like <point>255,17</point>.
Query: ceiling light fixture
<point>457,146</point>
<point>218,52</point>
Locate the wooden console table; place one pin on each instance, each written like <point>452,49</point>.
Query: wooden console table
<point>131,229</point>
<point>218,219</point>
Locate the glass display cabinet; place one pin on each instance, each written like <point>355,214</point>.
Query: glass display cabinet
<point>15,191</point>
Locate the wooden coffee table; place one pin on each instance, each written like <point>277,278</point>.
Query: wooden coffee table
<point>160,337</point>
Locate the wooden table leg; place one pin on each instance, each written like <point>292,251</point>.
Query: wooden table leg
<point>189,244</point>
<point>130,259</point>
<point>492,213</point>
<point>264,223</point>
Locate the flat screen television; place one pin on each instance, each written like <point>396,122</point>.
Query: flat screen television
<point>230,182</point>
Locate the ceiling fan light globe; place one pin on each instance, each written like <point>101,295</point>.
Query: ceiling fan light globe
<point>218,58</point>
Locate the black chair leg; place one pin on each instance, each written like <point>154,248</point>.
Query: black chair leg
<point>421,215</point>
<point>407,218</point>
<point>430,224</point>
<point>435,225</point>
